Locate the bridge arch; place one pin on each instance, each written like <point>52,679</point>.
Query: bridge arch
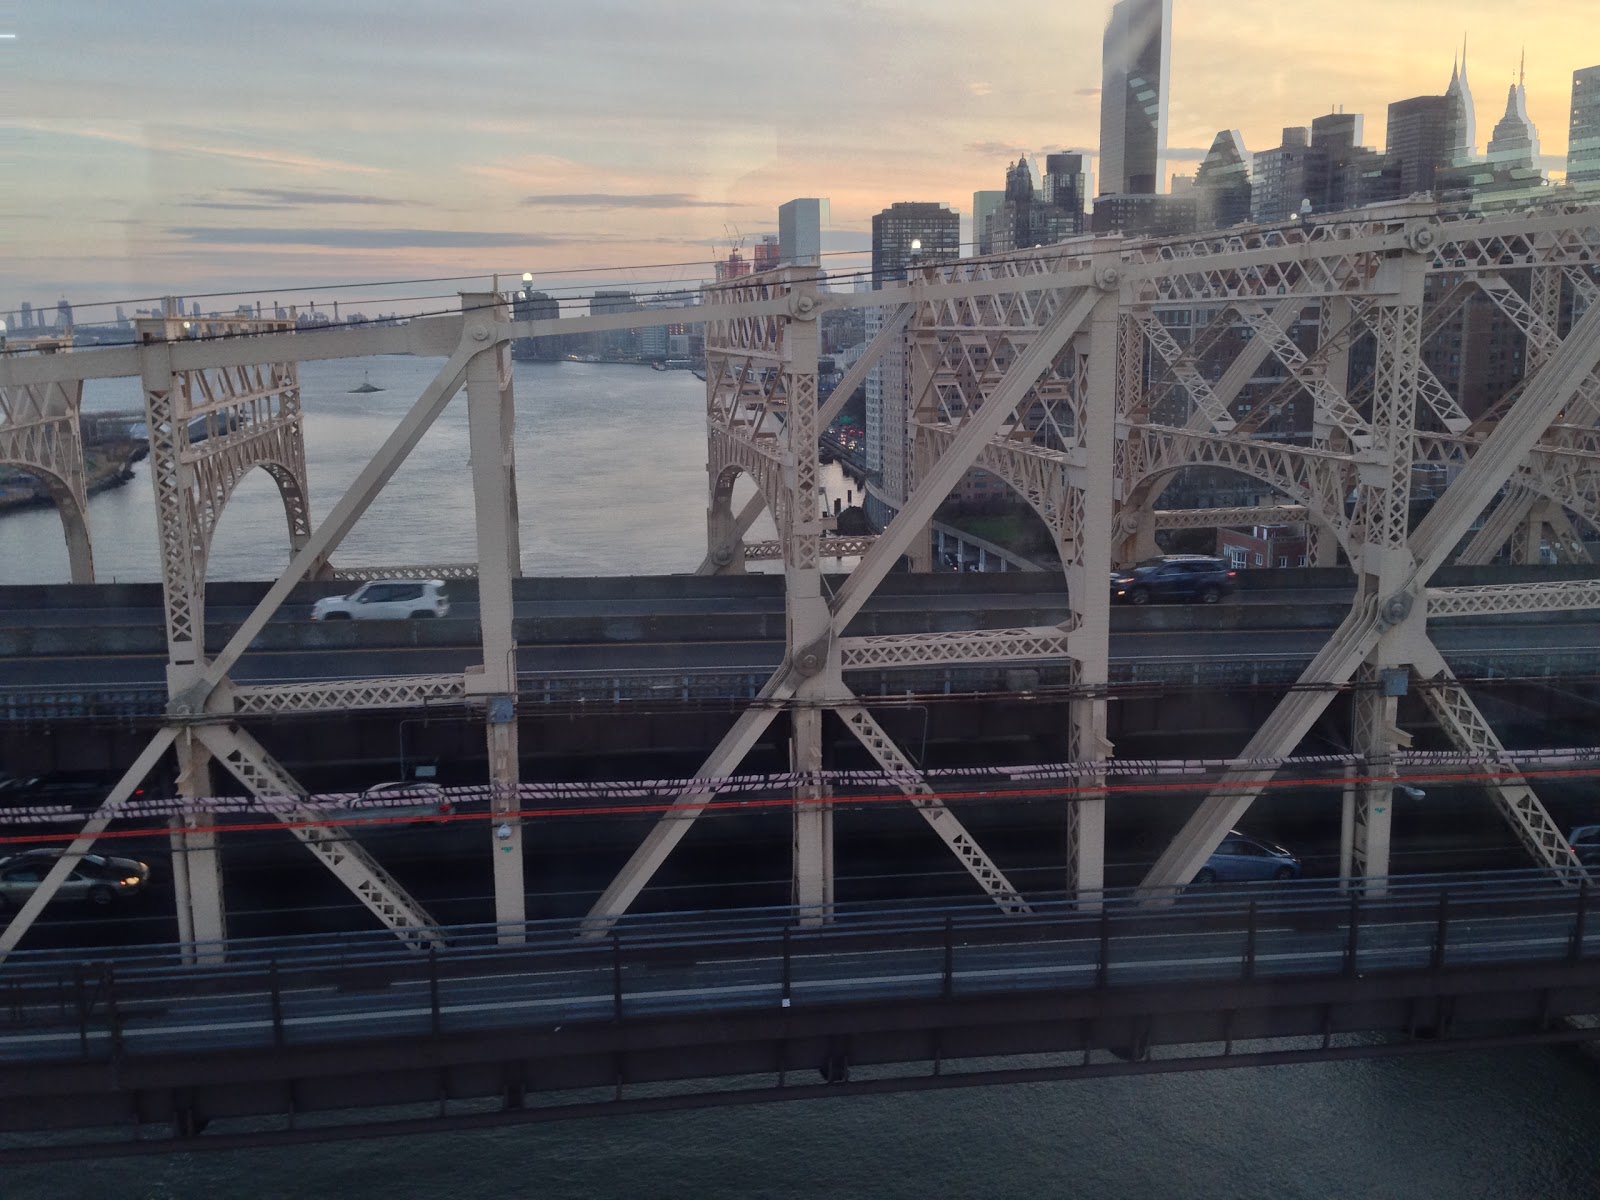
<point>1136,512</point>
<point>71,506</point>
<point>730,458</point>
<point>214,489</point>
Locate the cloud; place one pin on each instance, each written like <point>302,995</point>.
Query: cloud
<point>158,144</point>
<point>993,149</point>
<point>1086,91</point>
<point>1186,154</point>
<point>364,239</point>
<point>980,88</point>
<point>271,199</point>
<point>616,200</point>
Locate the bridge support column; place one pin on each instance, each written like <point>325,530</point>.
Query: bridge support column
<point>196,859</point>
<point>1373,733</point>
<point>491,430</point>
<point>812,892</point>
<point>1085,552</point>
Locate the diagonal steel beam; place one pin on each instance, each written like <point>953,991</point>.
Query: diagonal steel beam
<point>251,765</point>
<point>964,449</point>
<point>669,829</point>
<point>1565,371</point>
<point>837,399</point>
<point>932,809</point>
<point>1289,722</point>
<point>357,498</point>
<point>1464,725</point>
<point>131,778</point>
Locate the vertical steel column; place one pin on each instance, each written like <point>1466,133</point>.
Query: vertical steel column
<point>1372,736</point>
<point>182,555</point>
<point>813,887</point>
<point>808,617</point>
<point>196,857</point>
<point>1091,480</point>
<point>490,429</point>
<point>197,873</point>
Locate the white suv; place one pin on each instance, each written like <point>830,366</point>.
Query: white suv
<point>385,599</point>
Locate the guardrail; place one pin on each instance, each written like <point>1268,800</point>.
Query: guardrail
<point>323,990</point>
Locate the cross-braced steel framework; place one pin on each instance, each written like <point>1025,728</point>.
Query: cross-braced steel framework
<point>1057,370</point>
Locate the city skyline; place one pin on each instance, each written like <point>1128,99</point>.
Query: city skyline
<point>362,149</point>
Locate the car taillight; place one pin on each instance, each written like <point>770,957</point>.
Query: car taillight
<point>1231,574</point>
<point>446,809</point>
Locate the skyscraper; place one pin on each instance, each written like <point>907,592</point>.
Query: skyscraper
<point>984,204</point>
<point>800,231</point>
<point>1066,183</point>
<point>901,234</point>
<point>1464,114</point>
<point>1135,75</point>
<point>1222,185</point>
<point>1515,144</point>
<point>935,228</point>
<point>1583,146</point>
<point>1422,140</point>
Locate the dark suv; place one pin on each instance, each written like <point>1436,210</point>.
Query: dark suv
<point>1175,577</point>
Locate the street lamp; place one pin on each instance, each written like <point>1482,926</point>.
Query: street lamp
<point>527,283</point>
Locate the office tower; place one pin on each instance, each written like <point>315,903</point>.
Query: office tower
<point>902,234</point>
<point>1515,144</point>
<point>1421,140</point>
<point>529,305</point>
<point>63,315</point>
<point>1066,184</point>
<point>1135,74</point>
<point>616,343</point>
<point>983,206</point>
<point>1026,217</point>
<point>1464,114</point>
<point>27,316</point>
<point>1583,145</point>
<point>935,227</point>
<point>800,231</point>
<point>1283,176</point>
<point>1222,185</point>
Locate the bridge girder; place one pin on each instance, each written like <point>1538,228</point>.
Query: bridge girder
<point>1035,366</point>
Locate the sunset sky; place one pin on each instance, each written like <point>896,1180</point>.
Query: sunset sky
<point>188,146</point>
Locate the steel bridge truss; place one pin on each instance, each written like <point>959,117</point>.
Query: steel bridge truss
<point>1085,375</point>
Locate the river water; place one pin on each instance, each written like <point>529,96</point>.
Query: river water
<point>611,480</point>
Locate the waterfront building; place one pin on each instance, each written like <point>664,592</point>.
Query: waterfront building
<point>529,305</point>
<point>765,255</point>
<point>1135,73</point>
<point>64,316</point>
<point>800,231</point>
<point>27,316</point>
<point>1066,184</point>
<point>1222,185</point>
<point>1583,145</point>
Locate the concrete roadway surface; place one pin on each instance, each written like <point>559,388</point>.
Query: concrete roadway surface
<point>165,1009</point>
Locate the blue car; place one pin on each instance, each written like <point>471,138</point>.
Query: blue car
<point>1242,858</point>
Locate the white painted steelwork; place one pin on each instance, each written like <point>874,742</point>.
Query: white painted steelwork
<point>1086,375</point>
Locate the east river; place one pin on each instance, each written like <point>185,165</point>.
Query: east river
<point>611,481</point>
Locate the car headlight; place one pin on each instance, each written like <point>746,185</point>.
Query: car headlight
<point>132,881</point>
